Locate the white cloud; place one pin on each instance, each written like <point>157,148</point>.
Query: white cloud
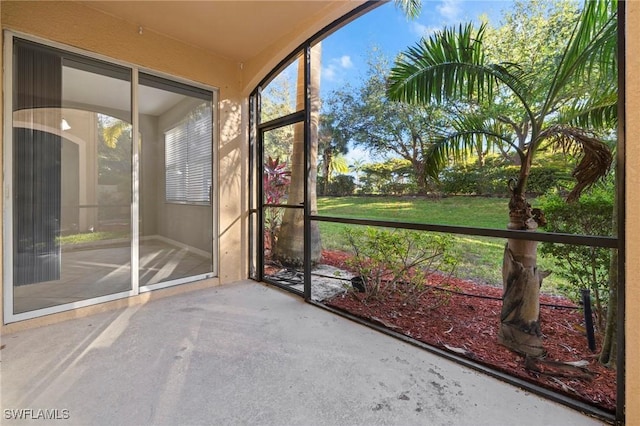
<point>335,69</point>
<point>329,72</point>
<point>422,30</point>
<point>345,62</point>
<point>450,9</point>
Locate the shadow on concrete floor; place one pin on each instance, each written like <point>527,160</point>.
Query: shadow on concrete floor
<point>248,354</point>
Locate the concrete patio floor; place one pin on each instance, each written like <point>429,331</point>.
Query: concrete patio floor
<point>252,355</point>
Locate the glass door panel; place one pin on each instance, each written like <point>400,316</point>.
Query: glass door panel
<point>283,208</point>
<point>176,181</point>
<point>71,180</point>
<point>280,95</point>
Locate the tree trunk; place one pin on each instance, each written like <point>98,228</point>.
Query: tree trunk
<point>422,180</point>
<point>608,356</point>
<point>521,279</point>
<point>289,248</point>
<point>326,169</point>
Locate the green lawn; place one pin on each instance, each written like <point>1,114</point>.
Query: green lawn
<point>481,212</point>
<point>91,237</point>
<point>479,258</point>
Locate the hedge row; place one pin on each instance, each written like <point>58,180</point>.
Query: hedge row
<point>456,180</point>
<point>467,180</point>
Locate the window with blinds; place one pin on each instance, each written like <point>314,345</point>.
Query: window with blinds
<point>188,158</point>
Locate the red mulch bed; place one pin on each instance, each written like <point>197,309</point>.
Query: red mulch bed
<point>471,324</point>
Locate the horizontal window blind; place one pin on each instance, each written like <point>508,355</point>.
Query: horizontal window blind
<point>188,158</point>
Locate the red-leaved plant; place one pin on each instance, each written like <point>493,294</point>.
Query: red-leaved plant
<point>275,181</point>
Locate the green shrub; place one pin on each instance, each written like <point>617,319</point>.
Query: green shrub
<point>397,260</point>
<point>342,186</point>
<point>391,177</point>
<point>491,179</point>
<point>459,180</point>
<point>582,266</point>
<point>398,188</point>
<point>543,179</point>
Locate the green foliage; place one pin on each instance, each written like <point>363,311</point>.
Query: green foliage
<point>546,178</point>
<point>476,257</point>
<point>114,167</point>
<point>91,237</point>
<point>333,144</point>
<point>581,266</point>
<point>391,177</point>
<point>523,106</point>
<point>385,128</point>
<point>277,100</point>
<point>340,186</point>
<point>533,33</point>
<point>468,179</point>
<point>114,151</point>
<point>411,8</point>
<point>397,260</point>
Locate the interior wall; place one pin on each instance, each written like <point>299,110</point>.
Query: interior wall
<point>151,172</point>
<point>81,27</point>
<point>183,223</point>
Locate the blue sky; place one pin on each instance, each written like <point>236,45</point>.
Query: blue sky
<point>345,52</point>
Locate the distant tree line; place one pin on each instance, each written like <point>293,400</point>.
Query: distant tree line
<point>396,177</point>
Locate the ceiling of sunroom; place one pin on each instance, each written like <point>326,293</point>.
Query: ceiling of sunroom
<point>238,30</point>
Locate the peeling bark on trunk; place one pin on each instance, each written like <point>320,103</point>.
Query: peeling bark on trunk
<point>521,279</point>
<point>520,315</point>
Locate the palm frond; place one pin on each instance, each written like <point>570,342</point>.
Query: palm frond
<point>451,65</point>
<point>469,130</point>
<point>592,49</point>
<point>338,165</point>
<point>112,133</point>
<point>595,113</point>
<point>440,67</point>
<point>411,8</point>
<point>594,155</point>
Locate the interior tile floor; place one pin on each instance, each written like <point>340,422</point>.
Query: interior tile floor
<point>101,270</point>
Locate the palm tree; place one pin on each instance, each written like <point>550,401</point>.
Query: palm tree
<point>339,166</point>
<point>332,146</point>
<point>356,167</point>
<point>111,129</point>
<point>289,247</point>
<point>411,8</point>
<point>452,66</point>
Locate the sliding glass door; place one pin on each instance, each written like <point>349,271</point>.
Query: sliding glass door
<point>107,200</point>
<point>72,178</point>
<point>176,181</point>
